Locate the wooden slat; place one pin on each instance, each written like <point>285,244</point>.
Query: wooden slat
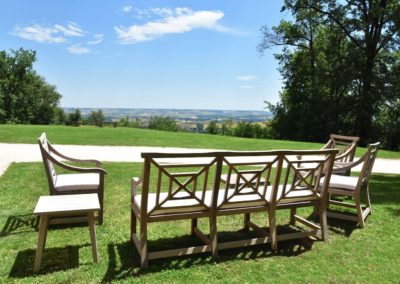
<point>244,243</point>
<point>256,228</point>
<point>342,216</point>
<point>184,165</point>
<point>185,174</point>
<point>179,252</point>
<point>366,212</point>
<point>297,235</point>
<point>201,236</point>
<point>136,241</point>
<point>341,203</point>
<point>69,220</point>
<point>306,222</point>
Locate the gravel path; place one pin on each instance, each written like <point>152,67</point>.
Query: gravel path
<point>30,153</point>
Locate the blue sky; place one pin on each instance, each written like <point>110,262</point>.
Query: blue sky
<point>148,54</point>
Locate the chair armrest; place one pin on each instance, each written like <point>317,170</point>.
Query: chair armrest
<point>346,153</point>
<point>344,166</point>
<point>135,182</point>
<point>84,161</point>
<point>77,169</point>
<point>328,145</point>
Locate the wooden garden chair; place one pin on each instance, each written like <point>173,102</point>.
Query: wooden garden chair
<point>84,180</point>
<point>347,146</point>
<point>353,187</point>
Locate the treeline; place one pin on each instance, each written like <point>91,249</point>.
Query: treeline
<point>241,129</point>
<point>340,64</point>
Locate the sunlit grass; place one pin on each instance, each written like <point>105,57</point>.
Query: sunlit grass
<point>351,254</point>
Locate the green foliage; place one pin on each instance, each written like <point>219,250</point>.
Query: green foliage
<point>164,123</point>
<point>25,97</point>
<point>212,127</point>
<point>75,118</point>
<point>338,65</point>
<point>96,118</point>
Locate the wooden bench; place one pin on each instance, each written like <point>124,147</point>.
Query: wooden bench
<point>192,188</point>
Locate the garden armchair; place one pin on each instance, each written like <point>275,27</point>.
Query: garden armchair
<point>353,187</point>
<point>81,181</point>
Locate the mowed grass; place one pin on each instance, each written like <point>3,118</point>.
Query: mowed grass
<point>120,136</point>
<point>352,255</point>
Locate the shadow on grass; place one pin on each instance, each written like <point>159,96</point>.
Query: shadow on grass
<point>17,224</point>
<point>53,259</point>
<point>384,189</point>
<point>124,260</point>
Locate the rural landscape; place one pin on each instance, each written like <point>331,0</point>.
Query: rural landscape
<point>177,141</point>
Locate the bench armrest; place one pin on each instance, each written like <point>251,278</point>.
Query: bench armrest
<point>135,182</point>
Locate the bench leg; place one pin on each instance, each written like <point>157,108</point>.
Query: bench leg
<point>246,221</point>
<point>194,225</point>
<point>292,214</point>
<point>272,230</point>
<point>213,236</point>
<point>144,257</point>
<point>92,230</point>
<point>41,241</point>
<point>133,224</point>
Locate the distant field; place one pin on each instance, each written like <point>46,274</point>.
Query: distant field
<point>89,135</point>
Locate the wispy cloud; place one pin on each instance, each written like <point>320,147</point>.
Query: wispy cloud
<point>78,49</point>
<point>48,33</point>
<point>97,38</point>
<point>246,77</point>
<point>247,86</point>
<point>171,21</point>
<point>127,8</point>
<point>39,33</point>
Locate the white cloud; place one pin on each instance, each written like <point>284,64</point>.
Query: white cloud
<point>179,20</point>
<point>97,38</point>
<point>39,33</point>
<point>78,49</point>
<point>247,86</point>
<point>127,8</point>
<point>72,29</point>
<point>246,77</point>
<point>47,33</point>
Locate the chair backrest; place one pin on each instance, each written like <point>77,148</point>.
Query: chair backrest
<point>305,174</point>
<point>344,144</point>
<point>177,182</point>
<point>45,150</point>
<point>368,162</point>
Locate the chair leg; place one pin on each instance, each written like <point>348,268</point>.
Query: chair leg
<point>292,214</point>
<point>246,221</point>
<point>272,230</point>
<point>368,201</point>
<point>101,212</point>
<point>193,225</point>
<point>324,224</point>
<point>144,257</point>
<point>213,236</point>
<point>133,224</point>
<point>359,212</point>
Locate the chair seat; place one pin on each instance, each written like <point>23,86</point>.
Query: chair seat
<point>77,182</point>
<point>342,182</point>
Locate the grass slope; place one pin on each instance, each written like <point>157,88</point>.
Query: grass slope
<point>87,135</point>
<point>351,255</point>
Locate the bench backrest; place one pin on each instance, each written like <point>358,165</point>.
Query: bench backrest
<point>193,180</point>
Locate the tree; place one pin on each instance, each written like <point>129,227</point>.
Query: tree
<point>372,27</point>
<point>25,97</point>
<point>96,118</point>
<point>335,61</point>
<point>75,118</point>
<point>163,123</point>
<point>212,127</point>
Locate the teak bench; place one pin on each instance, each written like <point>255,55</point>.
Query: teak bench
<point>176,186</point>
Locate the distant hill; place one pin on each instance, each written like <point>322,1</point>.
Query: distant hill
<point>115,114</point>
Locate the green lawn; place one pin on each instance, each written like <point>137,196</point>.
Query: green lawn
<point>87,135</point>
<point>351,254</point>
